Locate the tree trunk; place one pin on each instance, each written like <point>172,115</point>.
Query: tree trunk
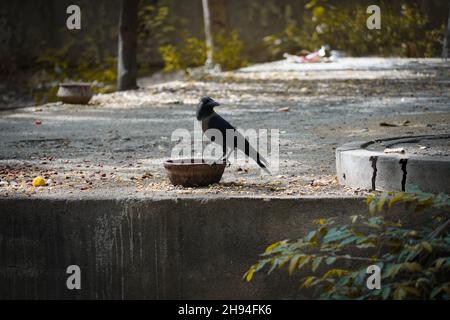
<point>208,35</point>
<point>446,48</point>
<point>127,57</point>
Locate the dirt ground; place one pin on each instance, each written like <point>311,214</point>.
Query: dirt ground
<point>115,146</point>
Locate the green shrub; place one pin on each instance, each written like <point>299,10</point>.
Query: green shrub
<point>154,31</point>
<point>414,260</point>
<point>229,51</point>
<point>87,65</point>
<point>83,58</point>
<point>404,32</point>
<point>192,52</point>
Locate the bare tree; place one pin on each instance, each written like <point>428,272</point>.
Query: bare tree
<point>208,35</point>
<point>127,57</point>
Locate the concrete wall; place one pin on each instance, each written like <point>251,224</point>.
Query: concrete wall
<point>151,249</point>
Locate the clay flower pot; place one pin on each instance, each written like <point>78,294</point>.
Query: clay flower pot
<point>194,172</point>
<point>75,92</point>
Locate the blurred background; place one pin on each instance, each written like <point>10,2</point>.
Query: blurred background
<point>37,51</point>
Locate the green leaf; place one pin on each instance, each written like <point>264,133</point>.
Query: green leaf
<point>330,260</point>
<point>348,240</point>
<point>316,263</point>
<point>303,262</point>
<point>336,235</point>
<point>277,262</point>
<point>354,218</point>
<point>294,261</point>
<point>391,270</point>
<point>385,293</point>
<point>312,238</point>
<point>369,199</point>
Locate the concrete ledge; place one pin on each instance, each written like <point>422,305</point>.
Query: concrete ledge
<point>356,166</point>
<point>152,249</point>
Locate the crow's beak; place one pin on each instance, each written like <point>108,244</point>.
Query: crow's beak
<point>215,103</point>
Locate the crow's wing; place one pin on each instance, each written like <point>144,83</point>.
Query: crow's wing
<point>219,123</point>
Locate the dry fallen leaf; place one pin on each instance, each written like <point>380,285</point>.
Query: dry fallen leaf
<point>386,124</point>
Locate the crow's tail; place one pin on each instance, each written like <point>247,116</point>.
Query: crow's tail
<point>250,151</point>
<point>262,165</point>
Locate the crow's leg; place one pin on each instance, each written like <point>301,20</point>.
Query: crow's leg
<point>226,156</point>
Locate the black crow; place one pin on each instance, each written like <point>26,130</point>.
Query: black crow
<point>211,120</point>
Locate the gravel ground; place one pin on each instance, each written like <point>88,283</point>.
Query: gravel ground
<point>115,146</point>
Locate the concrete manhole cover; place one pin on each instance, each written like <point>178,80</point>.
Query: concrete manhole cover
<point>394,164</point>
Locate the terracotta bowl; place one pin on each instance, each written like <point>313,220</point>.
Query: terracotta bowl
<point>194,172</point>
<point>75,92</point>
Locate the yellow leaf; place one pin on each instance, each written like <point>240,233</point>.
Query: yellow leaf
<point>307,283</point>
<point>399,293</point>
<point>427,246</point>
<point>398,197</point>
<point>334,273</point>
<point>411,266</point>
<point>439,262</point>
<point>313,239</point>
<point>320,221</point>
<point>271,247</point>
<point>323,231</point>
<point>412,234</point>
<point>381,202</point>
<point>249,274</point>
<point>413,291</point>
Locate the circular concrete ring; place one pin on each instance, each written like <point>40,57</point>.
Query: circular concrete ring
<point>358,167</point>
